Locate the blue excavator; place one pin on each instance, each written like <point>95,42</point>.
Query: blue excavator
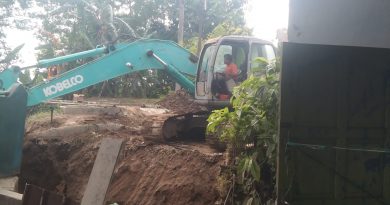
<point>196,75</point>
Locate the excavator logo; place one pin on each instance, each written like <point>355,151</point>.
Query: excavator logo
<point>65,84</point>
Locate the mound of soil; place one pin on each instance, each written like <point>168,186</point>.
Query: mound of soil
<point>146,173</point>
<point>181,102</point>
<point>161,174</point>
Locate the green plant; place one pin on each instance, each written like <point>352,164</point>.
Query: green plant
<point>250,130</point>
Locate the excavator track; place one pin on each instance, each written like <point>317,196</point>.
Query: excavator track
<point>155,127</point>
<point>189,126</point>
<point>170,126</point>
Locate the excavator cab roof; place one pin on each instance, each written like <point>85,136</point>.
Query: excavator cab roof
<point>237,38</point>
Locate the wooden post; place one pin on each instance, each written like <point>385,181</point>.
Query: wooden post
<point>102,170</point>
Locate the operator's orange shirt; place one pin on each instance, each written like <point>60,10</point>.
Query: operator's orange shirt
<point>231,70</point>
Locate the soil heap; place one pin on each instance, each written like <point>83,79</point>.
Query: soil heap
<point>181,102</point>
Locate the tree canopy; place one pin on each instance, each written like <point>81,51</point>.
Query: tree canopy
<point>5,13</point>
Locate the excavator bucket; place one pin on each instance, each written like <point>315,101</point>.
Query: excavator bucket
<point>13,106</point>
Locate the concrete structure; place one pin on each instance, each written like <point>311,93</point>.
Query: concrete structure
<point>10,198</point>
<point>340,22</point>
<point>7,194</point>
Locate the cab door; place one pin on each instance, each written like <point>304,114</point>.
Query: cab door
<point>203,73</point>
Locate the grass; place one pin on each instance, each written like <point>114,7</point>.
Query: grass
<point>41,111</point>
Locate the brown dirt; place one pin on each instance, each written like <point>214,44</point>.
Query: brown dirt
<point>162,174</point>
<point>147,172</point>
<point>181,102</point>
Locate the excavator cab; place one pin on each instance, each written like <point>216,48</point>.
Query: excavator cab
<point>211,65</point>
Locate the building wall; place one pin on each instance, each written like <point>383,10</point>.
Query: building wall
<point>340,22</point>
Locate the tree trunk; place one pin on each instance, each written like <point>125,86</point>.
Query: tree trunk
<point>180,32</point>
<point>103,88</point>
<point>200,28</point>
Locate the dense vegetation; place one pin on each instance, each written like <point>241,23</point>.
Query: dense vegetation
<point>250,130</point>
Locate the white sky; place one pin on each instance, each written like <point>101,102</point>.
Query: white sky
<point>264,16</point>
<point>27,55</point>
<point>16,37</point>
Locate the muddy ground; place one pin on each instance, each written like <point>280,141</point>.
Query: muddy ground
<point>59,156</point>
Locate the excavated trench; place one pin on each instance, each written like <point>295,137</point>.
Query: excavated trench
<point>59,156</point>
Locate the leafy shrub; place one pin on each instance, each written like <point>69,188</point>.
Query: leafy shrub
<point>250,130</point>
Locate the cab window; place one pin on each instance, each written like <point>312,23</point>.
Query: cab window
<point>239,52</point>
<point>261,50</point>
<point>219,65</point>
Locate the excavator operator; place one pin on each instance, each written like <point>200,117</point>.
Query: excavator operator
<point>231,72</point>
<point>224,82</point>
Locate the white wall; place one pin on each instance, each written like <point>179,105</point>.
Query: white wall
<point>340,22</point>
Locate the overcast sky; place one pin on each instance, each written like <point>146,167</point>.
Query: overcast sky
<point>264,16</point>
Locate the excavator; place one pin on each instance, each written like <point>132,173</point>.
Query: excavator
<point>115,60</point>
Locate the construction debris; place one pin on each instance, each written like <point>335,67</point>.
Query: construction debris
<point>34,195</point>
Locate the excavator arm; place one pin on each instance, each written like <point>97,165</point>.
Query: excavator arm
<point>123,59</point>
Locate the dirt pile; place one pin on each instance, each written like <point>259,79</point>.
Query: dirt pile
<point>181,102</point>
<point>162,174</point>
<point>147,172</point>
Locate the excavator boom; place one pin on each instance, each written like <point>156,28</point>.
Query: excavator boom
<point>137,56</point>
